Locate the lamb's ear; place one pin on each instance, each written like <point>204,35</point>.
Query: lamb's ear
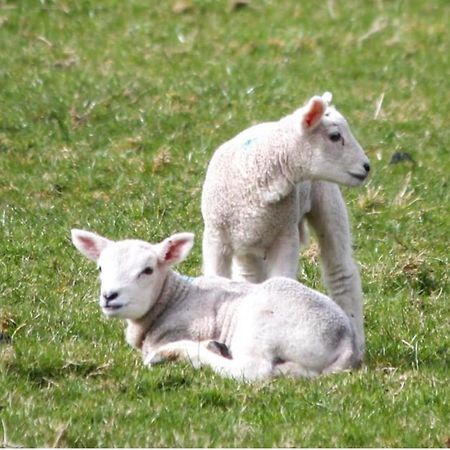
<point>89,244</point>
<point>313,112</point>
<point>327,97</point>
<point>175,248</point>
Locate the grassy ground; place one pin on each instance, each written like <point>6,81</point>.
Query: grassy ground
<point>109,113</point>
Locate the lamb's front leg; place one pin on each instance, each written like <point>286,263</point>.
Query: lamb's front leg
<point>216,255</point>
<point>329,219</point>
<point>184,349</point>
<point>203,354</point>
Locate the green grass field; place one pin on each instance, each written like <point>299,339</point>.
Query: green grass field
<point>109,113</point>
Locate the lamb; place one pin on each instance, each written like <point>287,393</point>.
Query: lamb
<point>263,184</point>
<point>241,330</point>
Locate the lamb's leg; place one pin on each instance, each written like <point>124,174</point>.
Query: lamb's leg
<point>328,217</point>
<point>282,257</point>
<point>219,348</point>
<point>294,370</point>
<point>198,354</point>
<point>216,256</point>
<point>345,361</point>
<point>248,267</point>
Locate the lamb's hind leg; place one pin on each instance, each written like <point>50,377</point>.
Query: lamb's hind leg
<point>198,354</point>
<point>328,217</point>
<point>293,369</point>
<point>249,267</point>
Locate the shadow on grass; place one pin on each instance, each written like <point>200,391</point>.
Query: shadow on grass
<point>45,373</point>
<point>165,382</point>
<point>409,357</point>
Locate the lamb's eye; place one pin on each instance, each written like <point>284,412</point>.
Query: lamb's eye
<point>335,136</point>
<point>99,268</point>
<point>147,271</point>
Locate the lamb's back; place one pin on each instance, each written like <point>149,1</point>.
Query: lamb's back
<point>233,203</point>
<point>229,170</point>
<point>291,304</point>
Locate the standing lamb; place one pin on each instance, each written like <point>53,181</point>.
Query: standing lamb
<point>239,329</point>
<point>260,187</point>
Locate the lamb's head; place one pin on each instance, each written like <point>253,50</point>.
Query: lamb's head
<point>334,154</point>
<point>132,272</point>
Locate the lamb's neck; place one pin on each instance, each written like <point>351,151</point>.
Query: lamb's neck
<point>281,164</point>
<point>174,289</point>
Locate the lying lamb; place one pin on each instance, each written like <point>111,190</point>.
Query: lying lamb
<point>261,185</point>
<point>241,330</point>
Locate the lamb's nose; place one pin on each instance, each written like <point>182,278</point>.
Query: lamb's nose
<point>108,296</point>
<point>367,167</point>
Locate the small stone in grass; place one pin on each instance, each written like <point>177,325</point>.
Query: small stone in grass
<point>400,157</point>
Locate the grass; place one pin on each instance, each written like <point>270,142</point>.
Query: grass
<point>109,114</point>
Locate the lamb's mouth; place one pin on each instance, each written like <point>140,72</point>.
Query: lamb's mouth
<point>358,176</point>
<point>112,307</point>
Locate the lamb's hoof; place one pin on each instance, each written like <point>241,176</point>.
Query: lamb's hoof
<point>153,359</point>
<point>219,348</point>
<point>4,338</point>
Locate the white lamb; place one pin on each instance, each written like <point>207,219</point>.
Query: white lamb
<point>241,330</point>
<point>260,187</point>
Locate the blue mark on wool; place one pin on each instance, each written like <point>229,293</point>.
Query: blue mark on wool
<point>248,143</point>
<point>187,278</point>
